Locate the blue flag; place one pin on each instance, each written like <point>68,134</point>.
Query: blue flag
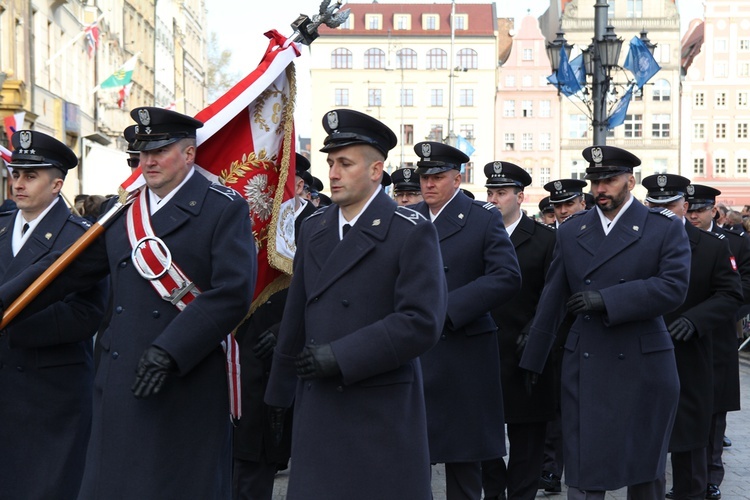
<point>640,62</point>
<point>566,77</point>
<point>618,114</point>
<point>578,69</point>
<point>465,146</point>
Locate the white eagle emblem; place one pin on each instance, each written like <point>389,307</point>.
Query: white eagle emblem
<point>558,186</point>
<point>407,174</point>
<point>497,167</point>
<point>25,137</point>
<point>426,150</point>
<point>333,120</point>
<point>144,117</point>
<point>597,155</point>
<point>661,181</point>
<point>691,190</point>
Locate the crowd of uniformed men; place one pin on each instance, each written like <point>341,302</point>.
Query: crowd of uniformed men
<point>414,331</point>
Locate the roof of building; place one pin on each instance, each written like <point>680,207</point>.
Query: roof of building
<point>482,20</point>
<point>691,43</point>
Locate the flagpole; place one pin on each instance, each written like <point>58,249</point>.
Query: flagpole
<point>72,41</point>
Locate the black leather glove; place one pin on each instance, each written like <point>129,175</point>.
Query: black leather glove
<point>681,329</point>
<point>264,347</point>
<point>153,368</point>
<point>317,362</point>
<point>583,302</point>
<point>521,340</point>
<point>529,380</point>
<point>276,417</point>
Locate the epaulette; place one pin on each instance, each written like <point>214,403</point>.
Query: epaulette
<point>3,214</point>
<point>663,211</point>
<point>79,221</point>
<point>571,216</point>
<point>411,215</point>
<point>223,190</point>
<point>545,226</point>
<point>317,212</point>
<point>734,232</point>
<point>488,206</point>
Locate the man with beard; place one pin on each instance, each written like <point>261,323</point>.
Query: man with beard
<point>618,268</point>
<point>713,294</point>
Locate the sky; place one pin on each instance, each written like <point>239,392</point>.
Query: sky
<point>239,27</point>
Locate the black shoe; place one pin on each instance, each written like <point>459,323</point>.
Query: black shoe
<point>550,483</point>
<point>713,492</point>
<point>726,442</point>
<point>670,493</point>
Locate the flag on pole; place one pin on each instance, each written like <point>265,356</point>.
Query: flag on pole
<point>640,62</point>
<point>464,145</point>
<point>5,154</point>
<point>92,38</point>
<point>618,114</point>
<point>567,80</point>
<point>123,94</point>
<point>577,65</point>
<point>247,143</point>
<point>121,77</point>
<point>12,123</point>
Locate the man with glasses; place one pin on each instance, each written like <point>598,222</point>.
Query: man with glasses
<point>406,188</point>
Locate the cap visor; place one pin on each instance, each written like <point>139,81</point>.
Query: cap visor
<point>433,170</point>
<point>139,145</point>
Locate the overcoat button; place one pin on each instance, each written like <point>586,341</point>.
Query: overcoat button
<point>622,281</point>
<point>345,303</point>
<point>445,268</point>
<point>315,299</point>
<point>621,356</point>
<point>588,282</point>
<point>118,309</point>
<point>586,355</point>
<point>124,263</point>
<point>443,337</point>
<point>340,389</point>
<point>155,314</point>
<point>19,368</point>
<point>115,355</point>
<point>587,317</point>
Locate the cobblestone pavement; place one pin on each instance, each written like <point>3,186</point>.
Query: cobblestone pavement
<point>736,485</point>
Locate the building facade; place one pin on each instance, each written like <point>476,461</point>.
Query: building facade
<point>716,100</point>
<point>401,64</point>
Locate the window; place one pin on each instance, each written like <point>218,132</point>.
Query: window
<point>436,132</point>
<point>579,126</point>
<point>743,69</point>
<point>662,53</point>
<point>437,59</point>
<point>527,109</point>
<point>526,81</point>
<point>699,167</point>
<point>635,8</point>
<point>401,21</point>
<point>430,21</point>
<point>742,99</point>
<point>407,97</point>
<point>611,9</point>
<point>341,59</point>
<point>633,126</point>
<point>660,165</point>
<point>510,81</point>
<point>741,166</point>
<point>720,45</point>
<point>509,109</point>
<point>720,166</point>
<point>699,131</point>
<point>720,132</point>
<point>544,175</point>
<point>662,90</point>
<point>528,54</point>
<point>742,130</point>
<point>660,125</point>
<point>374,21</point>
<point>545,109</point>
<point>374,59</point>
<point>466,97</point>
<point>407,134</point>
<point>341,97</point>
<point>527,141</point>
<point>407,59</point>
<point>745,44</point>
<point>545,141</point>
<point>348,24</point>
<point>374,97</point>
<point>462,21</point>
<point>509,142</point>
<point>720,69</point>
<point>466,130</point>
<point>721,99</point>
<point>467,173</point>
<point>699,100</point>
<point>436,97</point>
<point>467,59</point>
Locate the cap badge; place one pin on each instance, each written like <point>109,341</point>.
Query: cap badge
<point>460,216</point>
<point>144,117</point>
<point>661,181</point>
<point>376,222</point>
<point>558,186</point>
<point>498,167</point>
<point>148,130</point>
<point>426,150</point>
<point>25,139</point>
<point>333,120</point>
<point>635,228</point>
<point>691,190</point>
<point>583,227</point>
<point>407,174</point>
<point>597,155</point>
<point>48,236</point>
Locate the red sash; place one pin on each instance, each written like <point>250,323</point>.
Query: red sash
<point>153,261</point>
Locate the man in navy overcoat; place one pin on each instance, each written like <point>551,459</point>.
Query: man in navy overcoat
<point>618,268</point>
<point>367,298</point>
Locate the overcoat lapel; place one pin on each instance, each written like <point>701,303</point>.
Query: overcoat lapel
<point>335,258</point>
<point>453,217</point>
<point>6,243</point>
<point>523,231</point>
<point>186,203</point>
<point>627,231</point>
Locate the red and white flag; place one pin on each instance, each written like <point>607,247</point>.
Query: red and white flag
<point>13,123</point>
<point>5,154</point>
<point>92,38</point>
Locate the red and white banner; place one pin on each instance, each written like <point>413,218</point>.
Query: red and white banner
<point>12,123</point>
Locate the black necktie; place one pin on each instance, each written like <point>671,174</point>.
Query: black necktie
<point>24,228</point>
<point>345,229</point>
